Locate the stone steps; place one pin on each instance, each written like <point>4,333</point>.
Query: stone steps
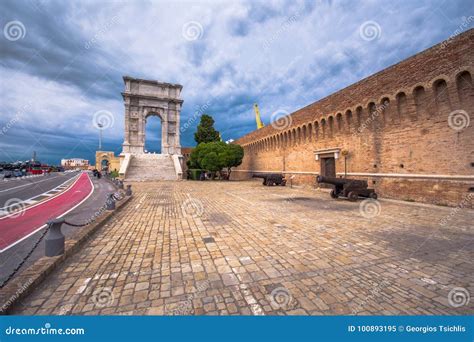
<point>149,167</point>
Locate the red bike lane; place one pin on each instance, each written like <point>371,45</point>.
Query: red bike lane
<point>18,226</point>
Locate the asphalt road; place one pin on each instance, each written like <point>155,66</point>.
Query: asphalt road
<point>22,222</point>
<point>24,189</point>
<point>10,258</point>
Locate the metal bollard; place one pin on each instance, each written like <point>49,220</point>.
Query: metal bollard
<point>110,203</point>
<point>54,241</point>
<point>128,192</point>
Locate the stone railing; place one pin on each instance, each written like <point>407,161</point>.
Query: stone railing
<point>177,165</point>
<point>124,165</point>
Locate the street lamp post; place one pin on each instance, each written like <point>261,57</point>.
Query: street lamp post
<point>100,135</point>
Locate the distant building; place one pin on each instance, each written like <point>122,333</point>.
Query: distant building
<point>75,163</point>
<point>106,161</point>
<point>186,152</point>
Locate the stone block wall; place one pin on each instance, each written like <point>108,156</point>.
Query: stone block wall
<point>408,130</point>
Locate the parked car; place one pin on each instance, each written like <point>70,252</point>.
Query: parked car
<point>17,173</point>
<point>7,174</point>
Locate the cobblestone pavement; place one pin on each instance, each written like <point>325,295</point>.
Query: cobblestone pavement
<point>225,248</point>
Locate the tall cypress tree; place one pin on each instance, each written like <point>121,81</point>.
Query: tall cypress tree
<point>205,130</point>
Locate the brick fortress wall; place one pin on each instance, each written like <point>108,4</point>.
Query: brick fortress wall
<point>404,130</point>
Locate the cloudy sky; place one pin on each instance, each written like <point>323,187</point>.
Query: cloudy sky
<point>63,61</point>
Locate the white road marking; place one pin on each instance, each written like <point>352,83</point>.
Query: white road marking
<point>5,209</point>
<point>32,183</point>
<point>44,225</point>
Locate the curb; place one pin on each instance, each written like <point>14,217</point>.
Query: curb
<point>30,278</point>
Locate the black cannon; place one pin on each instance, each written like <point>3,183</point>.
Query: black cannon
<point>350,188</point>
<point>270,179</point>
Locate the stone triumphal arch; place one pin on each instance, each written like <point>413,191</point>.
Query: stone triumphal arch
<point>144,98</point>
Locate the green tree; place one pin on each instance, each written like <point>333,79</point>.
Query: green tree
<point>215,156</point>
<point>205,130</point>
<point>232,156</point>
<point>211,162</point>
<point>114,173</point>
<point>195,157</point>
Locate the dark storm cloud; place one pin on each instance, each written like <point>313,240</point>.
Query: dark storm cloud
<point>281,55</point>
<point>56,50</point>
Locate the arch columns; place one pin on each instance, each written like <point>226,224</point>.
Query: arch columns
<point>143,98</point>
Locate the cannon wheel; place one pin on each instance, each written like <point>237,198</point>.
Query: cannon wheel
<point>352,196</point>
<point>333,194</point>
<point>373,195</point>
<point>283,183</point>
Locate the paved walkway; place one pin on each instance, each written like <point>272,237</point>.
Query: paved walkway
<point>241,248</point>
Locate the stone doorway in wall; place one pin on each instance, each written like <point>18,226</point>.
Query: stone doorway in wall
<point>328,169</point>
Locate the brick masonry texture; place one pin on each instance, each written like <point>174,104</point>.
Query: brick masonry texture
<point>393,122</point>
<point>238,248</point>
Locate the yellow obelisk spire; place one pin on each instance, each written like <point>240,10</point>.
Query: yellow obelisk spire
<point>257,117</point>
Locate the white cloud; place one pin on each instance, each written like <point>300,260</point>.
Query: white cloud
<point>46,105</point>
<point>281,54</point>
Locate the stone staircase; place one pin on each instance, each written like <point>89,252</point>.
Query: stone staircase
<point>149,167</point>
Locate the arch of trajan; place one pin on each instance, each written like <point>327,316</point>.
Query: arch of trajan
<point>144,98</point>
